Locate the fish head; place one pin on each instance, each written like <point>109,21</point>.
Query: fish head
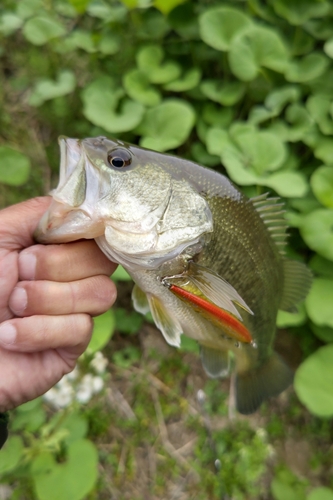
<point>127,198</point>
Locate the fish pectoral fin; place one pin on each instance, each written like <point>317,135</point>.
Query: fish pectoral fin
<point>168,325</point>
<point>216,289</point>
<point>140,300</point>
<point>255,385</point>
<point>297,283</point>
<point>227,322</point>
<point>216,363</point>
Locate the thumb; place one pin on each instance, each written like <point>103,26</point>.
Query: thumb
<point>18,222</point>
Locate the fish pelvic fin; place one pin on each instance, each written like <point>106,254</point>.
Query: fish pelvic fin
<point>140,300</point>
<point>297,283</point>
<point>216,363</point>
<point>256,385</point>
<point>216,289</point>
<point>168,325</point>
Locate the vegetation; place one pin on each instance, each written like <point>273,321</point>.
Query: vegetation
<point>241,86</point>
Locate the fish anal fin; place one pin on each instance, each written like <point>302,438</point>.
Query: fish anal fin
<point>216,363</point>
<point>297,283</point>
<point>168,325</point>
<point>228,323</point>
<point>260,383</point>
<point>140,300</point>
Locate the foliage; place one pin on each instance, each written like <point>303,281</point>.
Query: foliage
<point>243,87</point>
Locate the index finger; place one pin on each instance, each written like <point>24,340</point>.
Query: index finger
<point>64,262</point>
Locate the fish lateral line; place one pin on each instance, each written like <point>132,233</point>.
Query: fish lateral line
<point>235,327</point>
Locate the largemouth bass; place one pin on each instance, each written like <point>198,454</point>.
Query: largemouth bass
<point>206,261</point>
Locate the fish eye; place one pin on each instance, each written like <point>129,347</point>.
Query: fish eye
<point>119,158</point>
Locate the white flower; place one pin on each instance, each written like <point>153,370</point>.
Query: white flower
<point>85,389</point>
<point>98,384</point>
<point>74,374</point>
<point>99,362</point>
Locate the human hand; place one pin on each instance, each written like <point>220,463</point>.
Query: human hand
<point>47,297</point>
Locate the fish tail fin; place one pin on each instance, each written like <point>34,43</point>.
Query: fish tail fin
<point>254,386</point>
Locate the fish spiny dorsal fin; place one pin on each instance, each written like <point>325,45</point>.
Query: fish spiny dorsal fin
<point>272,213</point>
<point>297,283</point>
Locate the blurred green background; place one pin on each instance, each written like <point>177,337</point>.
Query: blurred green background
<point>244,87</point>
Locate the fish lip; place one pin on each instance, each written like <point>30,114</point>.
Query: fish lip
<point>66,225</point>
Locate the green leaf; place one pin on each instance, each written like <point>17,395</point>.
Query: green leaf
<point>149,61</point>
<point>313,382</point>
<point>45,90</point>
<point>278,98</point>
<point>126,322</point>
<point>318,107</point>
<point>9,23</point>
<point>11,454</point>
<point>28,8</point>
<point>328,48</point>
<point>101,98</point>
<point>263,150</point>
<point>319,302</point>
<point>138,88</point>
<point>321,266</point>
<point>70,480</point>
<point>126,357</point>
<point>120,275</point>
<point>75,424</point>
<point>306,69</point>
<point>297,13</point>
<point>320,493</point>
<point>288,184</point>
<point>286,319</point>
<point>324,333</point>
<point>14,167</point>
<point>219,26</point>
<point>323,150</point>
<point>107,13</point>
<point>226,94</point>
<point>188,81</point>
<point>188,345</point>
<point>317,231</point>
<point>167,125</point>
<point>104,326</point>
<point>109,44</point>
<point>322,185</point>
<point>40,29</point>
<point>166,6</point>
<point>217,117</point>
<point>256,48</point>
<point>82,39</point>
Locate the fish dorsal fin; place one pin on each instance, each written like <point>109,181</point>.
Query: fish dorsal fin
<point>216,289</point>
<point>216,363</point>
<point>140,301</point>
<point>297,283</point>
<point>271,211</point>
<point>168,325</point>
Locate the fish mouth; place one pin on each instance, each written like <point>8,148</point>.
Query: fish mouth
<point>62,224</point>
<point>66,220</point>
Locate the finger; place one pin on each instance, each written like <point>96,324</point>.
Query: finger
<point>67,262</point>
<point>91,295</point>
<point>18,222</point>
<point>40,333</point>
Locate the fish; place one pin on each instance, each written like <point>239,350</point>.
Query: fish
<point>207,262</point>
